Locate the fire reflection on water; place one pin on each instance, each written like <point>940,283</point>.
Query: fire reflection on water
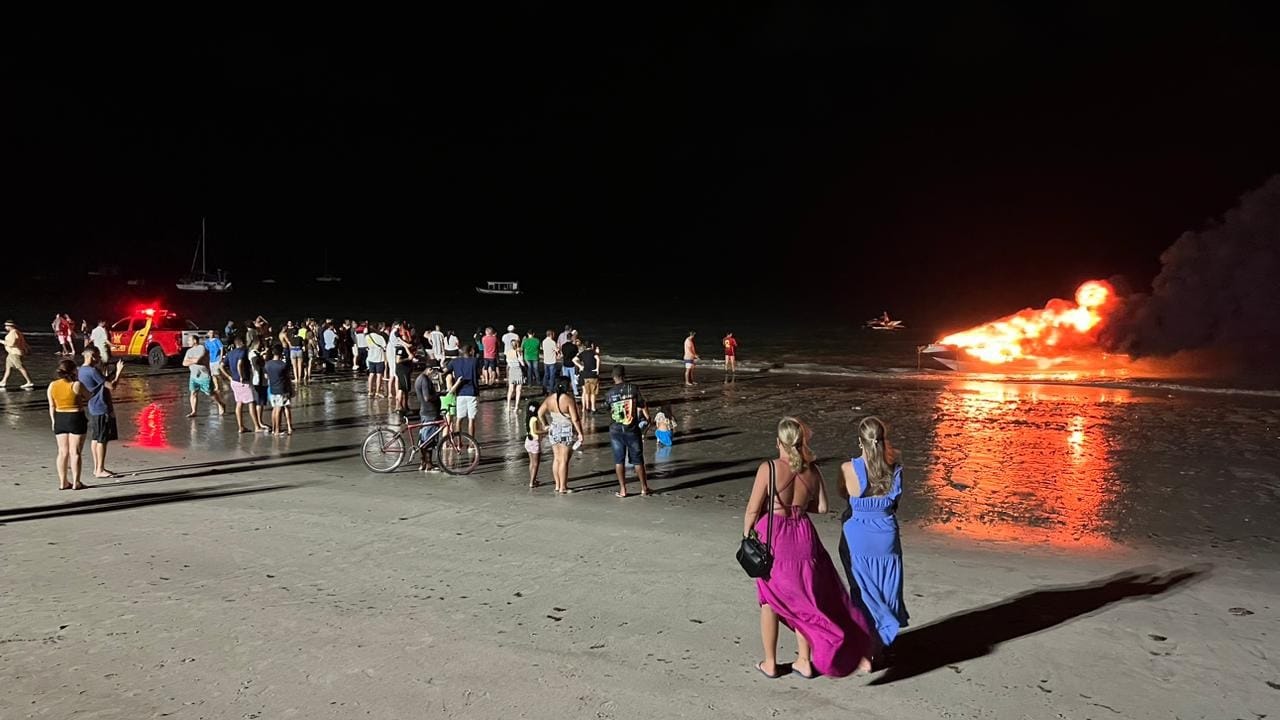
<point>1023,463</point>
<point>151,428</point>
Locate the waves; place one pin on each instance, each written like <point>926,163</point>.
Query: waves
<point>1074,378</point>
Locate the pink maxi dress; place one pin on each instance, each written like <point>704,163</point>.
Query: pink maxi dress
<point>805,591</point>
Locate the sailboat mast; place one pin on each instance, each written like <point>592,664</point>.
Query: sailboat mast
<point>204,250</point>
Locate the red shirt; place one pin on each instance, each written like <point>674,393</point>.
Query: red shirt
<point>730,346</point>
<point>490,343</point>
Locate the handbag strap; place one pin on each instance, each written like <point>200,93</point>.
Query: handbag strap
<point>769,522</point>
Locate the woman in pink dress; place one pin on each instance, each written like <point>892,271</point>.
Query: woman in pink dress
<point>803,590</point>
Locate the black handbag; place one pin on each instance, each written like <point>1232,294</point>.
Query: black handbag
<point>754,556</point>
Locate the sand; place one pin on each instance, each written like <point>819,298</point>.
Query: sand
<point>254,577</point>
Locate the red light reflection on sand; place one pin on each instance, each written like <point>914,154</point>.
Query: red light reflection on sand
<point>1023,463</point>
<point>151,429</point>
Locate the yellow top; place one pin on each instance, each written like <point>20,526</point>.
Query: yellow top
<point>64,396</point>
<point>535,428</point>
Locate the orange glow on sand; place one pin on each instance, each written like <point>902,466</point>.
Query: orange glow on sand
<point>1049,335</point>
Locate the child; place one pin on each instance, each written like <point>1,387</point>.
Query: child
<point>449,408</point>
<point>663,426</point>
<point>533,441</point>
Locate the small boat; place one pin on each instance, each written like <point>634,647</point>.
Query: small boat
<point>268,281</point>
<point>884,323</point>
<point>948,356</point>
<point>134,282</point>
<point>203,281</point>
<point>499,288</point>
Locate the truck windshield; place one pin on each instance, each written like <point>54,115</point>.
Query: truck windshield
<point>171,322</point>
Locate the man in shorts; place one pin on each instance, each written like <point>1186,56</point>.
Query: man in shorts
<point>588,363</point>
<point>628,417</point>
<point>238,372</point>
<point>15,344</point>
<point>280,392</point>
<point>201,382</point>
<point>730,354</point>
<point>489,341</point>
<point>376,345</point>
<point>428,411</point>
<point>101,411</point>
<point>215,348</point>
<point>690,357</point>
<point>466,386</point>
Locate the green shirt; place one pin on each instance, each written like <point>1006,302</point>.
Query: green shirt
<point>530,346</point>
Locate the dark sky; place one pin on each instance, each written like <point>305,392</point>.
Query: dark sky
<point>984,157</point>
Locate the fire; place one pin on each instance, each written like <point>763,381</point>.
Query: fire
<point>1049,334</point>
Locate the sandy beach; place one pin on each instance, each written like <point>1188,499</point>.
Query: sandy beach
<point>1071,552</point>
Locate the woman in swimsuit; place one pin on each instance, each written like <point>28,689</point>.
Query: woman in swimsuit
<point>559,414</point>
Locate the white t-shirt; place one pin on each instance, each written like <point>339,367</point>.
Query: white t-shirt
<point>437,343</point>
<point>360,339</point>
<point>99,338</point>
<point>199,370</point>
<point>451,343</point>
<point>549,348</point>
<point>506,341</point>
<point>377,348</point>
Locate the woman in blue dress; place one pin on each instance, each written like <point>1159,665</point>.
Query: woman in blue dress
<point>873,484</point>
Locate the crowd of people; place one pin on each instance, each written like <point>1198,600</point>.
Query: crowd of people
<point>838,631</point>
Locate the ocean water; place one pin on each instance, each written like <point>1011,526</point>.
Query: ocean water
<point>796,336</point>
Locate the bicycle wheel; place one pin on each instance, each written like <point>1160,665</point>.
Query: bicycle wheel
<point>458,454</point>
<point>384,450</point>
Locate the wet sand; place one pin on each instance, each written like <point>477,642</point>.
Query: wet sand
<point>1070,551</point>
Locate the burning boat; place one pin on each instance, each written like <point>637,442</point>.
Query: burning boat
<point>1062,334</point>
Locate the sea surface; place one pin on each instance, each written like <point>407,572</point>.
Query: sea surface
<point>789,335</point>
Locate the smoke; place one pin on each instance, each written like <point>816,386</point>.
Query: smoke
<point>1219,287</point>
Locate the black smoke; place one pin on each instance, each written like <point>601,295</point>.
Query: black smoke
<point>1217,288</point>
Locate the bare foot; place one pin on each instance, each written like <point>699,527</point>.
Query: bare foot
<point>68,487</point>
<point>245,430</point>
<point>620,494</point>
<point>81,486</point>
<point>864,665</point>
<point>103,474</point>
<point>646,492</point>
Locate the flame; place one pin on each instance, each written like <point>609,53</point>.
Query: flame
<point>1048,334</point>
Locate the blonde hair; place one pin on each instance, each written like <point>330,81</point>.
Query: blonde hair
<point>794,438</point>
<point>875,456</point>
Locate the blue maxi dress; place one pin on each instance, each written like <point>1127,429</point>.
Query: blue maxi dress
<point>875,554</point>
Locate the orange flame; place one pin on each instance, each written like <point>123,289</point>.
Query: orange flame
<point>1049,334</point>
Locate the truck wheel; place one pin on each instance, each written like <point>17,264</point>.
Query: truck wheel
<point>156,357</point>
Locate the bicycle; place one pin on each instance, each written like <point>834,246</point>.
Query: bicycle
<point>388,447</point>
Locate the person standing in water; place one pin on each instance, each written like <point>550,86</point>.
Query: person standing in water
<point>730,354</point>
<point>690,357</point>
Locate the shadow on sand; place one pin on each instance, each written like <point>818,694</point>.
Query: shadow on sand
<point>975,633</point>
<point>126,502</point>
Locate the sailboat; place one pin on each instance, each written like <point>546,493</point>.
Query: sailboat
<point>203,281</point>
<point>326,277</point>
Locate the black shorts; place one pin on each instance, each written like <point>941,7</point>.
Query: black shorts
<point>260,396</point>
<point>102,428</point>
<point>490,364</point>
<point>70,423</point>
<point>377,368</point>
<point>402,374</point>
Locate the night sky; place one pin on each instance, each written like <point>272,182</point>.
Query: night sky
<point>980,157</point>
